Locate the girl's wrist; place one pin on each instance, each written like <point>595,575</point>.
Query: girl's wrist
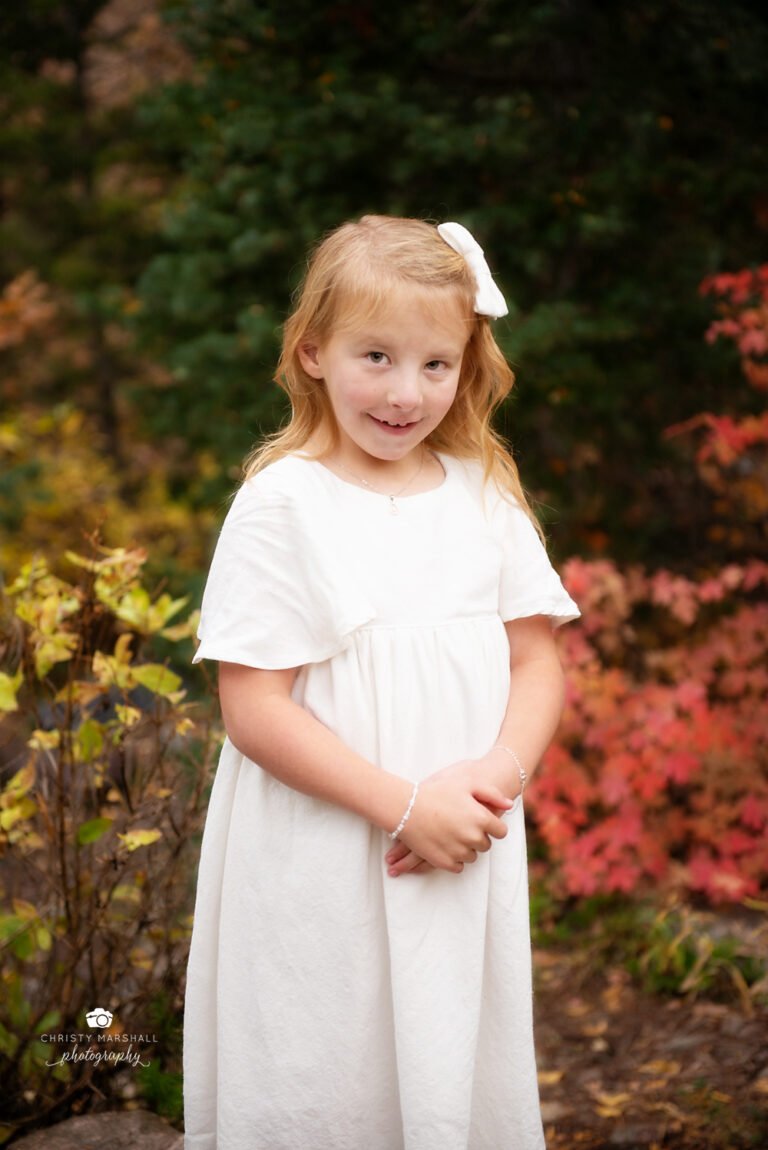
<point>506,769</point>
<point>522,774</point>
<point>406,814</point>
<point>392,799</point>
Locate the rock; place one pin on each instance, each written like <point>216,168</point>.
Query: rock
<point>553,1112</point>
<point>115,1130</point>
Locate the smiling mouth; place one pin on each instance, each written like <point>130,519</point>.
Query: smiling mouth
<point>393,423</point>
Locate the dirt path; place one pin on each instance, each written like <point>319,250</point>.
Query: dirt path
<point>622,1068</point>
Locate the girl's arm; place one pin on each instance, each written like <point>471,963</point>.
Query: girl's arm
<point>447,826</point>
<point>536,696</point>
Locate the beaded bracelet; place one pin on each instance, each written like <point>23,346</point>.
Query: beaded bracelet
<point>520,767</point>
<point>396,832</point>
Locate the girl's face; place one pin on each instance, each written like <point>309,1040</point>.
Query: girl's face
<point>391,381</point>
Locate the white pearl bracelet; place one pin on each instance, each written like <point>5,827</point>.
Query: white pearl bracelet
<point>396,832</point>
<point>521,769</point>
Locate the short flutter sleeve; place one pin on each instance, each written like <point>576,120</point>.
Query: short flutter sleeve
<point>529,584</point>
<point>279,593</point>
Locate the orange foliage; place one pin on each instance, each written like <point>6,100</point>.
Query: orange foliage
<point>660,772</point>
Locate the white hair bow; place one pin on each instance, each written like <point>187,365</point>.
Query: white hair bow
<point>488,299</point>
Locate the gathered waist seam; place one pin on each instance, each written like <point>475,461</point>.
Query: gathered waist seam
<point>432,624</point>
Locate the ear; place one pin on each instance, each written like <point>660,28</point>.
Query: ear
<point>309,358</point>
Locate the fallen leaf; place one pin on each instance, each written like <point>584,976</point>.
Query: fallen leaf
<point>612,1105</point>
<point>661,1066</point>
<point>595,1029</point>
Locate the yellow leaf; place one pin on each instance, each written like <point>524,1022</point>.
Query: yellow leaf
<point>24,909</point>
<point>110,671</point>
<point>595,1030</point>
<point>9,686</point>
<point>53,649</point>
<point>661,1066</point>
<point>613,1099</point>
<point>19,783</point>
<point>44,939</point>
<point>157,678</point>
<point>140,959</point>
<point>128,716</point>
<point>123,648</point>
<point>81,561</point>
<point>185,630</point>
<point>612,1105</point>
<point>550,1077</point>
<point>137,609</point>
<point>23,809</point>
<point>140,838</point>
<point>44,740</point>
<point>127,893</point>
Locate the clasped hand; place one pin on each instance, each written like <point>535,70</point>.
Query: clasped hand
<point>454,818</point>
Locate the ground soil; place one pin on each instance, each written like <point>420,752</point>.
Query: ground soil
<point>619,1067</point>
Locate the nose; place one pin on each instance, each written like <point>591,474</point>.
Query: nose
<point>404,391</point>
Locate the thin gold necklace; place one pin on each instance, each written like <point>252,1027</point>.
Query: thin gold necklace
<point>393,495</point>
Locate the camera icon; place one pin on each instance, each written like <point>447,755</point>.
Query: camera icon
<point>99,1017</point>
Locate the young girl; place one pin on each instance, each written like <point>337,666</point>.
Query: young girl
<point>382,610</point>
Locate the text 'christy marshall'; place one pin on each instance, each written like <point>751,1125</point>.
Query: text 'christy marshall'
<point>98,1036</point>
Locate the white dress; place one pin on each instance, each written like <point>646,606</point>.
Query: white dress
<point>328,1005</point>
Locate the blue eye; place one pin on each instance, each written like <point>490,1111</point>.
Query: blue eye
<point>435,364</point>
<point>376,356</point>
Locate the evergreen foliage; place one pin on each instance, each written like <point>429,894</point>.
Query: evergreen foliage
<point>608,158</point>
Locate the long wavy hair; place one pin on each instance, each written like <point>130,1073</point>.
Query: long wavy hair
<point>352,275</point>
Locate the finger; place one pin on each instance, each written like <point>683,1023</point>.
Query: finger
<point>490,796</point>
<point>423,868</point>
<point>404,865</point>
<point>396,852</point>
<point>497,829</point>
<point>495,825</point>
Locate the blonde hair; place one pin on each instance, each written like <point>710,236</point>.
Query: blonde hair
<point>351,275</point>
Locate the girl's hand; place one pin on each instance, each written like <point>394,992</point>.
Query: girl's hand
<point>454,818</point>
<point>400,859</point>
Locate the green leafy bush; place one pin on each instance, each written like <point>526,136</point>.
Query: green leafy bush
<point>105,773</point>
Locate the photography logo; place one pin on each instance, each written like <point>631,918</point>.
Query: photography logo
<point>99,1017</point>
<point>100,1045</point>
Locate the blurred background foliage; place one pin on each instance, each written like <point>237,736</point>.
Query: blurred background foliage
<point>167,164</point>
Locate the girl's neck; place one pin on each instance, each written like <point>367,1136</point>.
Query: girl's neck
<point>419,471</point>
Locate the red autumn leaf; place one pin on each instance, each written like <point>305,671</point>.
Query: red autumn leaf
<point>753,812</point>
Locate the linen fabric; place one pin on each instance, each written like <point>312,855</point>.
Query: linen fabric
<point>329,1006</point>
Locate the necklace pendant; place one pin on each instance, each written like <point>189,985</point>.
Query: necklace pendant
<point>393,506</point>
